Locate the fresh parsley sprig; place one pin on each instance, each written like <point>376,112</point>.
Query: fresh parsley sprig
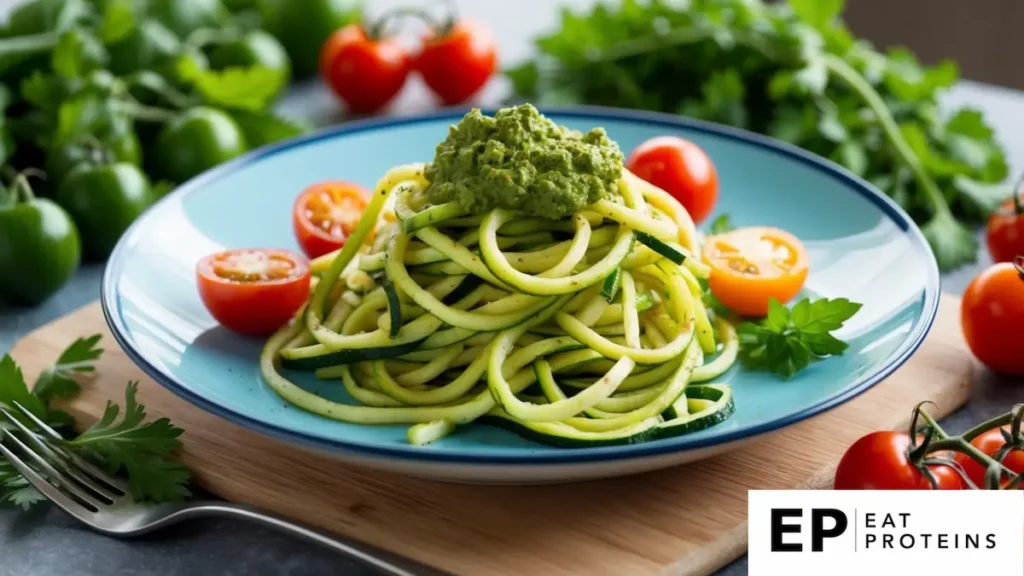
<point>144,451</point>
<point>139,448</point>
<point>721,225</point>
<point>794,71</point>
<point>788,340</point>
<point>57,381</point>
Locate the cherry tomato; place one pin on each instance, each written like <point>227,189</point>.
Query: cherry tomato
<point>750,266</point>
<point>253,291</point>
<point>364,71</point>
<point>1004,232</point>
<point>992,314</point>
<point>680,168</point>
<point>991,443</point>
<point>881,461</point>
<point>457,62</point>
<point>325,214</point>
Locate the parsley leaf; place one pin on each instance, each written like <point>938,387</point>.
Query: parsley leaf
<point>56,381</point>
<point>42,90</point>
<point>117,22</point>
<point>13,389</point>
<point>817,13</point>
<point>140,449</point>
<point>243,88</point>
<point>15,489</point>
<point>787,340</point>
<point>77,53</point>
<point>119,441</point>
<point>721,225</point>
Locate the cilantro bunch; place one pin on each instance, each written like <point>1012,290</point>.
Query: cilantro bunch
<point>791,70</point>
<point>121,441</point>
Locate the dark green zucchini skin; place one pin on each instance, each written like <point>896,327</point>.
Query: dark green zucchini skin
<point>661,248</point>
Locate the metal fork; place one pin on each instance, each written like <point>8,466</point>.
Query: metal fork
<point>103,503</point>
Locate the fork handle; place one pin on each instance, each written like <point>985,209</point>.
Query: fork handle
<point>383,561</point>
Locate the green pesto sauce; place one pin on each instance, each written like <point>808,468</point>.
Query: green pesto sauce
<point>524,162</point>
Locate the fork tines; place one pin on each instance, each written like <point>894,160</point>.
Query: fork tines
<point>77,486</point>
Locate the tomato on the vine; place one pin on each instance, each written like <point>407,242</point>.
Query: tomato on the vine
<point>363,68</point>
<point>457,60</point>
<point>751,266</point>
<point>325,214</point>
<point>881,461</point>
<point>253,291</point>
<point>680,168</point>
<point>992,314</point>
<point>993,444</point>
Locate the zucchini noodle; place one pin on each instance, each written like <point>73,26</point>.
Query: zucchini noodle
<point>571,332</point>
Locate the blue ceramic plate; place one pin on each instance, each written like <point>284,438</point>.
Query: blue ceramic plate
<point>861,245</point>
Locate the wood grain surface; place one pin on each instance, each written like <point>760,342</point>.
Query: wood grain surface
<point>688,521</point>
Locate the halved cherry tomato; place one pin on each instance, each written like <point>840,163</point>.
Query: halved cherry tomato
<point>993,444</point>
<point>881,461</point>
<point>750,266</point>
<point>253,291</point>
<point>992,314</point>
<point>457,61</point>
<point>325,214</point>
<point>364,69</point>
<point>680,168</point>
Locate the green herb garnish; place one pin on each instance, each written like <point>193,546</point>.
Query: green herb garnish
<point>142,450</point>
<point>788,340</point>
<point>794,71</point>
<point>721,225</point>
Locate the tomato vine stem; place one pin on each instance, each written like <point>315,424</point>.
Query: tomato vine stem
<point>962,443</point>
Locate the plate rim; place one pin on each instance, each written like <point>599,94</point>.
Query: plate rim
<point>562,457</point>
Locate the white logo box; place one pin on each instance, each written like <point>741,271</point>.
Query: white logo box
<point>938,533</point>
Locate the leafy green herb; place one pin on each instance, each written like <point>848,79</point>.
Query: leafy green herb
<point>244,88</point>
<point>721,225</point>
<point>141,449</point>
<point>791,70</point>
<point>265,127</point>
<point>42,90</point>
<point>121,441</point>
<point>788,340</point>
<point>14,390</point>
<point>15,489</point>
<point>117,22</point>
<point>77,53</point>
<point>56,381</point>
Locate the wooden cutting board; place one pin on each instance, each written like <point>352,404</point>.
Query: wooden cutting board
<point>689,520</point>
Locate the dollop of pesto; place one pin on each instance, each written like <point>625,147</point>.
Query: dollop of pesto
<point>524,162</point>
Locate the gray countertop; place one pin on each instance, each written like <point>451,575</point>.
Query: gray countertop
<point>45,542</point>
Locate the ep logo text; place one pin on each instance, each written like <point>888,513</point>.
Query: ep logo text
<point>818,532</point>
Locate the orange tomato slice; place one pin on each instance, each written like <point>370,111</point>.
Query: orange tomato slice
<point>750,266</point>
<point>326,213</point>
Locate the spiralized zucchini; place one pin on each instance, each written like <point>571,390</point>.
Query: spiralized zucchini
<point>571,332</point>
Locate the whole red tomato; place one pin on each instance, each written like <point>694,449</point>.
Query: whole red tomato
<point>364,69</point>
<point>1004,232</point>
<point>680,168</point>
<point>991,443</point>
<point>456,62</point>
<point>881,461</point>
<point>992,317</point>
